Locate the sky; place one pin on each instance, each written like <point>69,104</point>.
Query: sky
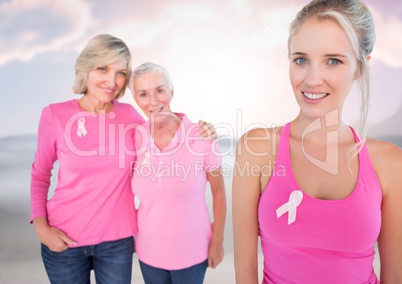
<point>227,59</point>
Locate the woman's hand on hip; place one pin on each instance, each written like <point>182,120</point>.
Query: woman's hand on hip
<point>53,238</point>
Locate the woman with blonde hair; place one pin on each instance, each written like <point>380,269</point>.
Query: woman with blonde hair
<point>333,193</point>
<point>89,222</point>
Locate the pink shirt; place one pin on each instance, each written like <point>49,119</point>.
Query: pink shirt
<point>92,201</point>
<point>330,241</point>
<point>174,228</point>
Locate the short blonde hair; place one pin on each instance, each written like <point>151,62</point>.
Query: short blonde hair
<point>101,50</point>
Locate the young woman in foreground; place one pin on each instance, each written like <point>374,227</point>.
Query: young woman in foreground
<point>333,193</point>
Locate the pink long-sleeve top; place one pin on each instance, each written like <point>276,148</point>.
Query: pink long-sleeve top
<point>92,201</point>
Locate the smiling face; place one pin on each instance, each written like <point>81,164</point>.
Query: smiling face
<point>153,94</point>
<point>323,67</point>
<point>105,82</point>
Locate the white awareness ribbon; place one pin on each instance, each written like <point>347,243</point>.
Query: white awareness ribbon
<point>81,131</point>
<point>295,199</point>
<point>147,161</point>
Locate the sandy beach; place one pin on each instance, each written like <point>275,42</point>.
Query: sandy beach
<point>20,260</point>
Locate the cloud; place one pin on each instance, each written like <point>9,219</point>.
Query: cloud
<point>28,28</point>
<point>141,30</point>
<point>275,30</point>
<point>139,34</point>
<point>388,45</point>
<point>243,7</point>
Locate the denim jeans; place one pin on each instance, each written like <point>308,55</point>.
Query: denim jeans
<point>191,275</point>
<point>111,262</point>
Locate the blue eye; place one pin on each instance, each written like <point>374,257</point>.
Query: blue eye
<point>301,61</point>
<point>102,69</point>
<point>334,61</point>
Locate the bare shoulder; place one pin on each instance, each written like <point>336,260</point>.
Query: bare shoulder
<point>258,133</point>
<point>258,142</point>
<point>387,162</point>
<point>383,152</point>
<point>255,150</point>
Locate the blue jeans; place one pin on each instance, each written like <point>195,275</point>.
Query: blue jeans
<point>111,262</point>
<point>191,275</point>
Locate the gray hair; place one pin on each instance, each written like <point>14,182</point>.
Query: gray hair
<point>356,20</point>
<point>101,50</point>
<point>148,67</point>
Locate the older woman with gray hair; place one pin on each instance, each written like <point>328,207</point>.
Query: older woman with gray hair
<point>176,240</point>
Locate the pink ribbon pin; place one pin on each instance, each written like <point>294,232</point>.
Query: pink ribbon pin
<point>295,199</point>
<point>81,131</point>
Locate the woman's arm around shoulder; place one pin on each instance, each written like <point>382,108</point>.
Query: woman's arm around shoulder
<point>252,153</point>
<point>387,162</point>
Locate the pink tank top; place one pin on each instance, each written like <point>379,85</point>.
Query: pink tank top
<point>309,240</point>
